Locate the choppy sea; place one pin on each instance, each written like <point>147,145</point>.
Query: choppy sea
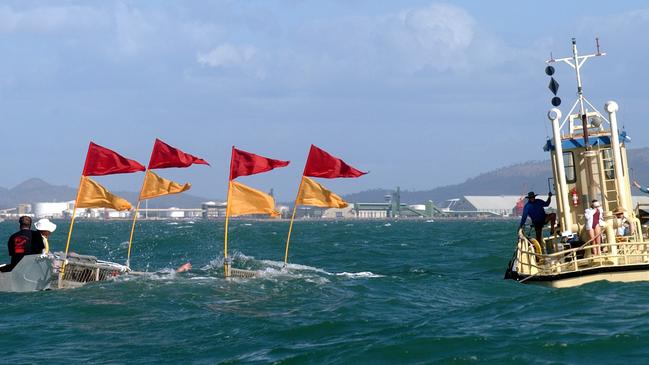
<point>355,292</point>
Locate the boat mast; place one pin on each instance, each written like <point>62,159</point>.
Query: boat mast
<point>580,93</point>
<point>576,62</point>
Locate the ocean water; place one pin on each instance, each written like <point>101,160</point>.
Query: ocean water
<point>354,293</point>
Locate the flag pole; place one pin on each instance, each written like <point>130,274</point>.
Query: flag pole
<point>226,259</point>
<point>130,240</point>
<point>74,215</point>
<point>290,227</point>
<point>137,210</point>
<point>67,243</point>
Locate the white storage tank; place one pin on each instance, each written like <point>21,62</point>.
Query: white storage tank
<point>50,209</point>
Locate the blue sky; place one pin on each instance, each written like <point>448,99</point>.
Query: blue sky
<point>420,93</point>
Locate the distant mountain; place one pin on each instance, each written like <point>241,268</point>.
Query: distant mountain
<point>36,190</point>
<point>511,180</point>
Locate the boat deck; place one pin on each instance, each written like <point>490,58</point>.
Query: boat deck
<point>606,261</point>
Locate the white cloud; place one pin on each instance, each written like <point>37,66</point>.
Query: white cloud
<point>227,55</point>
<point>436,36</point>
<point>50,18</point>
<point>433,38</point>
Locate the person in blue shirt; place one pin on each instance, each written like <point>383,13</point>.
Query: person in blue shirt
<point>534,208</point>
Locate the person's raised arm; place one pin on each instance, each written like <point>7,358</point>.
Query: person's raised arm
<point>547,202</point>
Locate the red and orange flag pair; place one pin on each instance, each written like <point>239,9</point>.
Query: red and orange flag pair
<point>164,156</point>
<point>320,164</point>
<point>242,199</point>
<point>102,161</point>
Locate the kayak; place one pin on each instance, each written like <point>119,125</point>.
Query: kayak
<point>32,273</point>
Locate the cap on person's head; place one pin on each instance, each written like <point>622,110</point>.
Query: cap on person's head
<point>25,220</point>
<point>45,225</point>
<point>618,211</point>
<point>531,195</point>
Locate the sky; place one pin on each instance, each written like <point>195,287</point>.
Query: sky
<point>420,93</point>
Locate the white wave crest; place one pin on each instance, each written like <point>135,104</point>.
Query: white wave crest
<point>362,274</point>
<point>296,267</point>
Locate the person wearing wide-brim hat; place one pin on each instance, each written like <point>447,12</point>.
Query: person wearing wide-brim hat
<point>535,209</point>
<point>624,227</point>
<point>531,195</point>
<point>45,227</point>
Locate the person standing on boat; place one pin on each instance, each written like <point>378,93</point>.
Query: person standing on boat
<point>594,221</point>
<point>535,209</point>
<point>45,227</point>
<point>23,242</point>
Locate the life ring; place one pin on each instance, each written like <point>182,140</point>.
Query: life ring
<point>537,246</point>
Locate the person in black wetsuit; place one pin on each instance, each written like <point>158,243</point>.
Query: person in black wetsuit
<point>23,242</point>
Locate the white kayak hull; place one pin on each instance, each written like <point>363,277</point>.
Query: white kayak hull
<point>33,273</point>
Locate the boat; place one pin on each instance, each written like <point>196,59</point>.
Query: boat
<point>589,161</point>
<point>32,273</point>
<point>41,272</point>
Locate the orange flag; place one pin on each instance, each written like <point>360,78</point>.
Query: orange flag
<point>93,195</point>
<point>155,186</point>
<point>246,200</point>
<point>317,195</point>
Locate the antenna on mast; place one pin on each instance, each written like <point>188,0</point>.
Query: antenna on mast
<point>576,61</point>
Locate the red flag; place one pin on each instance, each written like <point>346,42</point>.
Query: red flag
<point>102,161</point>
<point>164,156</point>
<point>245,163</point>
<point>322,164</point>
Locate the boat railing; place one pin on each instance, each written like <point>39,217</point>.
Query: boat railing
<point>241,273</point>
<point>580,258</point>
<point>80,269</point>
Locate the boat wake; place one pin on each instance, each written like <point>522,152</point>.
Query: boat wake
<point>263,269</point>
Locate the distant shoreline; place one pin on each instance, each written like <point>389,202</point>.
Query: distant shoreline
<point>244,219</point>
